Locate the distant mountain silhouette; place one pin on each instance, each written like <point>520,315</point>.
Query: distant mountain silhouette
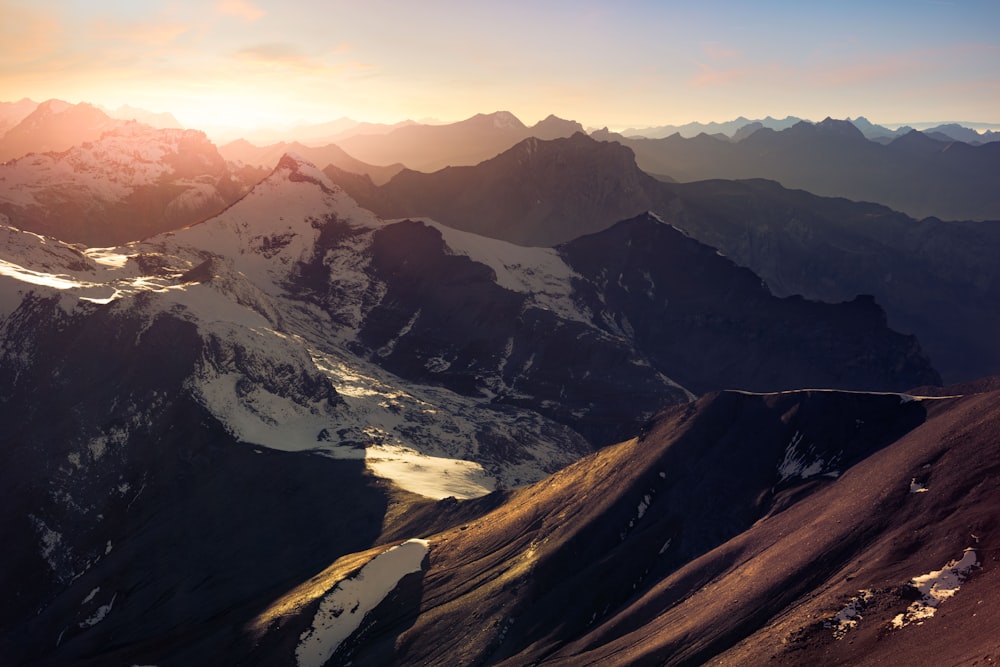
<point>939,280</point>
<point>467,142</point>
<point>537,193</point>
<point>728,128</point>
<point>949,180</point>
<point>160,120</point>
<point>268,156</point>
<point>55,126</point>
<point>12,113</point>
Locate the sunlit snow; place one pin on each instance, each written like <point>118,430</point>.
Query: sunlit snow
<point>431,476</point>
<point>343,609</point>
<point>936,587</point>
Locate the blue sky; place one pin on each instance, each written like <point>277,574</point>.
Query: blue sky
<point>621,64</point>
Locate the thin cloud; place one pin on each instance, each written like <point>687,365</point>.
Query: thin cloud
<point>28,34</point>
<point>284,55</point>
<point>708,76</point>
<point>150,34</point>
<point>716,51</point>
<point>239,8</point>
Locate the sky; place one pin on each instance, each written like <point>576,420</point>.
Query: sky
<point>621,64</point>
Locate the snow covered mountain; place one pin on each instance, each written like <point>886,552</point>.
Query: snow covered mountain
<point>131,183</point>
<point>203,420</point>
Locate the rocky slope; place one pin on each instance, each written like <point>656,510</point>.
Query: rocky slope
<point>809,527</point>
<point>800,528</point>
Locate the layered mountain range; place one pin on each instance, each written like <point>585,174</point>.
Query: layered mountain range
<point>543,409</point>
<point>914,173</point>
<point>935,279</point>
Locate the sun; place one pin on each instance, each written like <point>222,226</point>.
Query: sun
<point>232,113</point>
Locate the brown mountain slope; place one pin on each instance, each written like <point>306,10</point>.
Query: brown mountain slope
<point>733,531</point>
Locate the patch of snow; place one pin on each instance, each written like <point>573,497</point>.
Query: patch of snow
<point>431,476</point>
<point>92,594</point>
<point>797,463</point>
<point>55,281</point>
<point>936,587</point>
<point>342,610</point>
<point>99,615</point>
<point>644,505</point>
<point>540,273</point>
<point>847,618</point>
<point>50,541</point>
<point>388,348</point>
<point>917,487</point>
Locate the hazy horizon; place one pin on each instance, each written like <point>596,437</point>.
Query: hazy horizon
<point>262,64</point>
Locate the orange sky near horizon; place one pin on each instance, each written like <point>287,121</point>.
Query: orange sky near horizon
<point>257,63</point>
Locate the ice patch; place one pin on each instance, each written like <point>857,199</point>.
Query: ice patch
<point>936,587</point>
<point>343,609</point>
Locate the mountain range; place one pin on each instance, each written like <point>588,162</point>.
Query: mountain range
<point>468,142</point>
<point>741,127</point>
<point>914,173</point>
<point>278,406</point>
<point>829,249</point>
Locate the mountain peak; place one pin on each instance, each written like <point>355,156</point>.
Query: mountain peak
<point>842,128</point>
<point>552,127</point>
<point>295,168</point>
<point>502,120</point>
